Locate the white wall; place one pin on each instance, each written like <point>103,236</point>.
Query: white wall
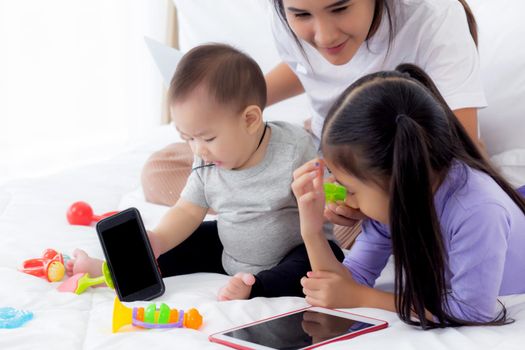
<point>76,80</point>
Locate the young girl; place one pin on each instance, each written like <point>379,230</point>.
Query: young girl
<point>243,171</point>
<point>326,45</point>
<point>456,228</point>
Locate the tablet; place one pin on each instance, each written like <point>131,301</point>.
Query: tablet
<point>306,328</point>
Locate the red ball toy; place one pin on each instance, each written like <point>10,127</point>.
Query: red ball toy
<point>80,213</point>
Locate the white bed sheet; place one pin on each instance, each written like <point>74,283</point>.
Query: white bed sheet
<point>32,218</point>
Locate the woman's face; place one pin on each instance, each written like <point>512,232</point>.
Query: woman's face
<point>335,28</point>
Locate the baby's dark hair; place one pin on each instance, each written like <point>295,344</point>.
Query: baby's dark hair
<point>395,129</point>
<point>230,76</point>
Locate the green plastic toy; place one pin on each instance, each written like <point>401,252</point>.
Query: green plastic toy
<point>334,192</point>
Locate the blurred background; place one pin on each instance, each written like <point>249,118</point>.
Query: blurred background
<point>77,83</point>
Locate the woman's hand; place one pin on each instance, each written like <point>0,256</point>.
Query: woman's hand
<point>307,125</point>
<point>307,187</point>
<point>331,289</point>
<point>341,213</point>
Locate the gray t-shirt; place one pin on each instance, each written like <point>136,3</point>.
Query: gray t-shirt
<point>258,218</point>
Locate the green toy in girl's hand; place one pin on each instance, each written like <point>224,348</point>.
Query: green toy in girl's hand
<point>334,192</point>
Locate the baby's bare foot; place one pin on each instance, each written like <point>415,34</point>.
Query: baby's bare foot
<point>238,287</point>
<point>83,263</point>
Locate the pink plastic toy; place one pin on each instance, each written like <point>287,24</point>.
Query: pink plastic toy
<point>80,213</point>
<point>79,282</point>
<point>50,266</point>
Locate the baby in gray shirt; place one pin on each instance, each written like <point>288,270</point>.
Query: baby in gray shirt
<point>243,170</point>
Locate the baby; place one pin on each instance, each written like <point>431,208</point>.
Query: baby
<point>243,171</point>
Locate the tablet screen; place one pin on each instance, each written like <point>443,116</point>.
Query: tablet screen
<point>298,330</point>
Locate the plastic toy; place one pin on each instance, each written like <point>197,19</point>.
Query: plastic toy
<point>13,318</point>
<point>80,213</point>
<point>50,265</point>
<point>79,282</point>
<point>334,192</point>
<point>151,317</point>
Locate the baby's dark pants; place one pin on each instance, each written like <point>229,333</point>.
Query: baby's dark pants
<point>202,252</point>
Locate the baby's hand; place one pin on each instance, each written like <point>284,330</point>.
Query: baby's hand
<point>83,263</point>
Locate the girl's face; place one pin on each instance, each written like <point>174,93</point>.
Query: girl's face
<point>368,197</point>
<point>214,132</point>
<point>336,28</point>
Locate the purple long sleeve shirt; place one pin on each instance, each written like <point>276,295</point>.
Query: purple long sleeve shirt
<point>484,239</point>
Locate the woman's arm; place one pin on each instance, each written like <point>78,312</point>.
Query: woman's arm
<point>282,83</point>
<point>468,117</point>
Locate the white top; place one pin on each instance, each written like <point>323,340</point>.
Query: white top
<point>432,34</point>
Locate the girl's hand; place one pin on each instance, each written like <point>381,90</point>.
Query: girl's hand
<point>331,289</point>
<point>307,187</point>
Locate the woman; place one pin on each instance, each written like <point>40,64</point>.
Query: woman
<point>326,45</point>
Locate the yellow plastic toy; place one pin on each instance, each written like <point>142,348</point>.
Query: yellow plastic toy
<point>151,317</point>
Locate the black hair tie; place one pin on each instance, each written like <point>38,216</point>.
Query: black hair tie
<point>399,116</point>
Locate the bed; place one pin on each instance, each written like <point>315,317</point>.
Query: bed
<point>33,218</point>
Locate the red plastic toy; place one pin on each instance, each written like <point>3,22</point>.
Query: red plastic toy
<point>50,266</point>
<point>80,213</point>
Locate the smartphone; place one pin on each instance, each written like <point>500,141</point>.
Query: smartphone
<point>129,256</point>
<point>306,328</point>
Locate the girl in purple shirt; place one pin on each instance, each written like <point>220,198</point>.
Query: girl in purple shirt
<point>456,228</point>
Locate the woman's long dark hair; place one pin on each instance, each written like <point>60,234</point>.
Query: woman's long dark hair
<point>394,128</point>
<point>381,6</point>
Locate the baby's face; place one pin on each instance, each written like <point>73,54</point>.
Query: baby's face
<point>215,133</point>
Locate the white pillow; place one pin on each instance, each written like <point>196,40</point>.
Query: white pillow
<point>244,24</point>
<point>502,57</point>
<point>241,23</point>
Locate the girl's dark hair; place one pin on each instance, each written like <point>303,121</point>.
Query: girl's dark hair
<point>380,7</point>
<point>230,76</point>
<point>471,20</point>
<point>395,129</point>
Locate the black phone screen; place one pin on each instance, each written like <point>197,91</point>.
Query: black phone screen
<point>298,330</point>
<point>128,257</point>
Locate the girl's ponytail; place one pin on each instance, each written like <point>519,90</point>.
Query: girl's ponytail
<point>416,73</point>
<point>416,238</point>
<point>464,149</point>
